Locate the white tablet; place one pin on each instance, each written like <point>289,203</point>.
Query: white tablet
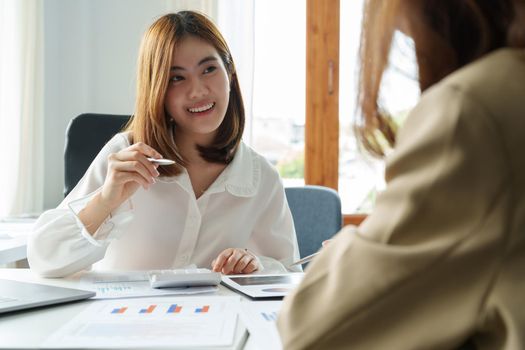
<point>264,286</point>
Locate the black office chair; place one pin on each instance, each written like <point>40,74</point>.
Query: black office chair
<point>85,137</point>
<point>316,212</point>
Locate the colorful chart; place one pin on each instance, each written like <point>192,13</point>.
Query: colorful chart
<point>155,308</point>
<point>168,322</point>
<point>174,309</point>
<point>203,309</point>
<point>120,310</point>
<point>149,310</point>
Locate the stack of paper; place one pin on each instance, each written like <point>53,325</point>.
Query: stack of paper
<point>174,322</point>
<point>259,317</point>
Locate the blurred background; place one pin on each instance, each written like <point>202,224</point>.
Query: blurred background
<point>61,58</point>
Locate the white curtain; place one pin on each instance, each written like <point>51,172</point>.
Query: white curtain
<point>21,107</point>
<point>236,21</point>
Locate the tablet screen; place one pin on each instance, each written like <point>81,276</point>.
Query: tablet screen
<point>259,280</point>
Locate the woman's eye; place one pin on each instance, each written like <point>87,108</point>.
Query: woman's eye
<point>210,69</point>
<point>176,78</point>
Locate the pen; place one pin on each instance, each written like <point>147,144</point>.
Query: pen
<point>305,259</point>
<point>161,161</point>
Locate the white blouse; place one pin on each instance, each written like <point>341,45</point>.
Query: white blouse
<point>166,226</point>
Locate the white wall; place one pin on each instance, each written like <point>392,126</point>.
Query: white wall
<point>90,55</point>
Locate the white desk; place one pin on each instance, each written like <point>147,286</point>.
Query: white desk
<point>12,249</point>
<point>13,239</point>
<point>28,329</point>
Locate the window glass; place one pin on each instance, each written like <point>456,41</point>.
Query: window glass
<point>278,108</point>
<point>360,175</point>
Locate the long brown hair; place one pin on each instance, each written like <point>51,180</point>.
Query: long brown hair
<point>447,34</point>
<point>150,123</point>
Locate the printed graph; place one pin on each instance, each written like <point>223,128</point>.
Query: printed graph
<point>260,318</point>
<point>174,309</point>
<point>119,310</point>
<point>153,322</point>
<point>149,310</point>
<point>161,308</point>
<point>203,309</point>
<point>269,316</point>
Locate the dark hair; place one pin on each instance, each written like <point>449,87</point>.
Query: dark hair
<point>447,34</point>
<point>150,123</point>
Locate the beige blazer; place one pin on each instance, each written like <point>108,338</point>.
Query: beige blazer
<point>441,261</point>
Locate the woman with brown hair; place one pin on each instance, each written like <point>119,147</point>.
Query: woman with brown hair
<point>440,262</point>
<point>221,205</point>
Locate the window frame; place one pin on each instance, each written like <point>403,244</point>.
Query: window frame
<point>322,97</point>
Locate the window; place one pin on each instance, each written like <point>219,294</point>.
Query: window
<point>299,90</point>
<point>269,56</point>
<point>333,33</point>
<point>279,85</point>
<point>361,176</point>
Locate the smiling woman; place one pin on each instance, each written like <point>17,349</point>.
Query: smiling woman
<point>21,126</point>
<point>221,205</point>
<point>169,34</point>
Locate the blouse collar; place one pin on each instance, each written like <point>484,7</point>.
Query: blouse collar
<point>243,174</point>
<point>241,177</point>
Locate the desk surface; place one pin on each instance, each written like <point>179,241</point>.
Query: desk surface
<point>12,249</point>
<point>28,329</point>
<point>13,239</point>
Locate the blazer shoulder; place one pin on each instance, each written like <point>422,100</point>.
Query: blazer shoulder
<point>497,73</point>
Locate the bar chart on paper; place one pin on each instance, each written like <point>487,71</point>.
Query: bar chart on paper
<point>269,316</point>
<point>260,318</point>
<point>173,308</point>
<point>186,322</point>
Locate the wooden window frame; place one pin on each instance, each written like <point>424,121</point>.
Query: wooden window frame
<point>322,97</point>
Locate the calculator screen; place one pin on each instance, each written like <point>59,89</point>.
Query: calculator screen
<point>261,280</point>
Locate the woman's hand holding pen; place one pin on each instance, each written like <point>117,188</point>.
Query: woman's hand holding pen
<point>235,261</point>
<point>127,170</point>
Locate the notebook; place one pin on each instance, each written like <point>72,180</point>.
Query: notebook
<point>16,295</point>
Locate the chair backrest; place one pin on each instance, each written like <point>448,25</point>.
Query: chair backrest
<point>85,137</point>
<point>316,213</point>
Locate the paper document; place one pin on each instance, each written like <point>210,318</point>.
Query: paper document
<point>110,285</point>
<point>259,318</point>
<point>174,322</point>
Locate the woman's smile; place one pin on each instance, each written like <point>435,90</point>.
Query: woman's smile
<point>201,109</point>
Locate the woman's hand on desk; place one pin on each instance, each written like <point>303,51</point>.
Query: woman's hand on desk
<point>127,170</point>
<point>235,261</point>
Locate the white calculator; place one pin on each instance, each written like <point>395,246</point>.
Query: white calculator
<point>177,278</point>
